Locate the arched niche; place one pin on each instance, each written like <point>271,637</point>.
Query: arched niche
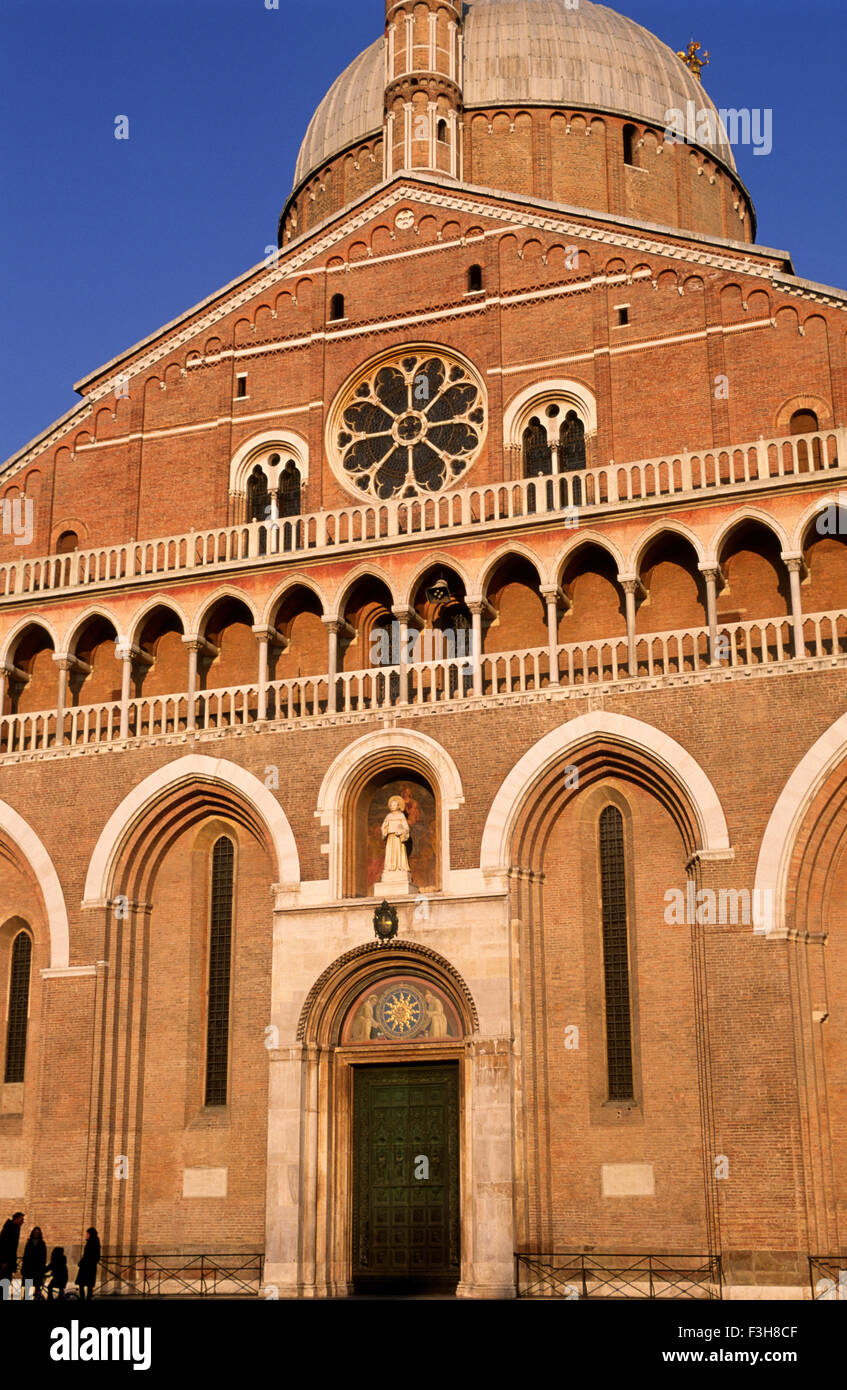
<point>367,807</point>
<point>331,1012</point>
<point>398,752</point>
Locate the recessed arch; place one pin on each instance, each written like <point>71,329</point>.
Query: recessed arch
<point>670,527</point>
<point>18,631</point>
<point>95,611</point>
<point>788,814</point>
<point>434,562</point>
<point>201,616</point>
<point>137,625</point>
<point>504,552</point>
<point>816,404</point>
<point>362,571</point>
<point>369,755</point>
<point>586,538</point>
<point>299,581</point>
<point>193,768</point>
<point>737,519</point>
<point>325,1004</point>
<point>31,847</point>
<point>815,509</point>
<point>676,763</point>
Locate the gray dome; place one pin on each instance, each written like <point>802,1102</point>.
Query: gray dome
<point>525,52</point>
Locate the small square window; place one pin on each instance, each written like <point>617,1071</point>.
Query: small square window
<point>623,315</point>
<point>241,386</point>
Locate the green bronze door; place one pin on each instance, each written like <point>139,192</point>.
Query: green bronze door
<point>406,1177</point>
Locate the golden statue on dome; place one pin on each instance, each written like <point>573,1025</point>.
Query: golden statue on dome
<point>693,60</point>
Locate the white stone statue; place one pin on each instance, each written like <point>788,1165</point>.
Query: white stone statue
<point>396,834</point>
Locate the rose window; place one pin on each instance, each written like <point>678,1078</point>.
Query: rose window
<point>412,425</point>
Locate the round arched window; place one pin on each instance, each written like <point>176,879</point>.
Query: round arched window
<point>411,424</point>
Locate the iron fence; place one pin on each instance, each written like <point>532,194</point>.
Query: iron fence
<point>224,1275</point>
<point>582,1276</point>
<point>828,1277</point>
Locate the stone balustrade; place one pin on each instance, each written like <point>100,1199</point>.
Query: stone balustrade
<point>575,666</point>
<point>729,469</point>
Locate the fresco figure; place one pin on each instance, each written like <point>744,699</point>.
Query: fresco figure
<point>365,1026</point>
<point>438,1027</point>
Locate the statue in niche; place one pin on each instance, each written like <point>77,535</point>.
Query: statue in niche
<point>396,834</point>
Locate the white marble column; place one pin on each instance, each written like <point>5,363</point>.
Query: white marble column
<point>124,653</point>
<point>65,662</point>
<point>264,636</point>
<point>335,627</point>
<point>795,565</point>
<point>478,607</point>
<point>555,600</point>
<point>406,618</point>
<point>195,645</point>
<point>711,574</point>
<point>630,586</point>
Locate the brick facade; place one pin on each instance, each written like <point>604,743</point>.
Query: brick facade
<point>728,766</point>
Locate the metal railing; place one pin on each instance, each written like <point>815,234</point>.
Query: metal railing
<point>828,1277</point>
<point>687,474</point>
<point>225,1275</point>
<point>610,1276</point>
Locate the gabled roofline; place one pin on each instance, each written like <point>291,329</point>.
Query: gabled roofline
<point>626,224</point>
<point>87,381</point>
<point>619,231</point>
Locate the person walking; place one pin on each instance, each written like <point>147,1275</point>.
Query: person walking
<point>34,1262</point>
<point>58,1267</point>
<point>90,1259</point>
<point>9,1237</point>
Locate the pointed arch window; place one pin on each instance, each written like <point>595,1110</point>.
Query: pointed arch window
<point>571,443</point>
<point>258,496</point>
<point>537,454</point>
<point>220,965</point>
<point>572,451</point>
<point>18,1013</point>
<point>289,490</point>
<point>616,955</point>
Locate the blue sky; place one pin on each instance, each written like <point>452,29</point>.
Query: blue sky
<point>102,240</point>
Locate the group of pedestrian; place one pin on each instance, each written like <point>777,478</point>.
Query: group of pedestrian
<point>35,1266</point>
